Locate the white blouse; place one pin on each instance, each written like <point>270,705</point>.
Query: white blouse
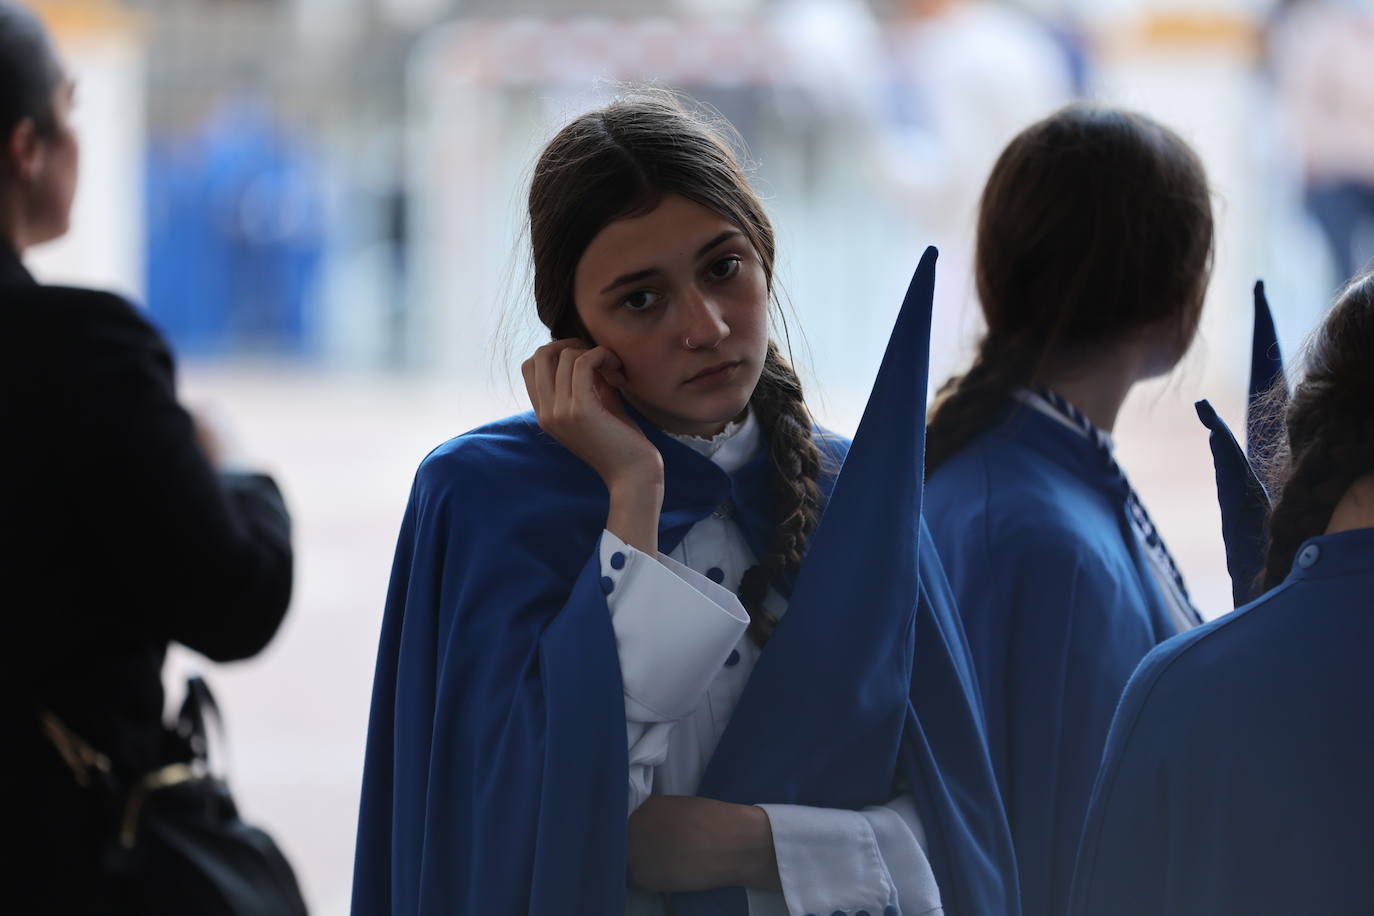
<point>685,660</point>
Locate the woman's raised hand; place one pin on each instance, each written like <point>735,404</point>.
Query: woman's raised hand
<point>572,388</point>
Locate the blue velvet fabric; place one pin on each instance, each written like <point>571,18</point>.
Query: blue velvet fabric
<point>1237,775</point>
<point>1060,604</point>
<point>496,774</point>
<point>1244,506</point>
<point>1241,494</point>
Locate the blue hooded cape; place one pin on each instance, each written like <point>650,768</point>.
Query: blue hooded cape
<point>1241,494</point>
<point>1236,779</point>
<point>496,770</point>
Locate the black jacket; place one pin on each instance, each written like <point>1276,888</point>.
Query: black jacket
<point>116,538</point>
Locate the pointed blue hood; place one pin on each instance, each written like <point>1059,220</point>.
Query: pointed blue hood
<point>866,689</point>
<point>1240,492</point>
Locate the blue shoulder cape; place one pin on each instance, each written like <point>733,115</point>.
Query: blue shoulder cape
<point>1060,605</point>
<point>1237,776</point>
<point>496,769</point>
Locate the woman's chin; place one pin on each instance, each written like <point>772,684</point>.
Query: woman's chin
<point>703,420</point>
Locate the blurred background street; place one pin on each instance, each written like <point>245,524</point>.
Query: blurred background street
<point>321,203</point>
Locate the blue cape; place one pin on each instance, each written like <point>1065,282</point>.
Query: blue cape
<point>1237,775</point>
<point>496,771</point>
<point>1241,494</point>
<point>1060,604</point>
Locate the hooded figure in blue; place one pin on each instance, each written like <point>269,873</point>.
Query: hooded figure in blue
<point>1093,252</point>
<point>573,692</point>
<point>1237,775</point>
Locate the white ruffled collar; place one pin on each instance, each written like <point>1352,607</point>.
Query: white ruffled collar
<point>732,447</point>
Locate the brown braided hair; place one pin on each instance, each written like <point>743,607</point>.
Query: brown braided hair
<point>1094,223</point>
<point>619,161</point>
<point>1330,423</point>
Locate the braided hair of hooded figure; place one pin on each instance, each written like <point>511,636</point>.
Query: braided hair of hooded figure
<point>619,161</point>
<point>1330,428</point>
<point>1094,222</point>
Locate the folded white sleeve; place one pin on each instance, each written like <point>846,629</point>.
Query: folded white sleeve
<point>834,860</point>
<point>674,628</point>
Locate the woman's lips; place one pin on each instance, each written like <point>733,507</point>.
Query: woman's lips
<point>717,373</point>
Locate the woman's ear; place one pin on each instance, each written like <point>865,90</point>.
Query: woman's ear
<point>24,151</point>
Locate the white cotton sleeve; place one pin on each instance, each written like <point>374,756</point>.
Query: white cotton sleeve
<point>835,860</point>
<point>674,628</point>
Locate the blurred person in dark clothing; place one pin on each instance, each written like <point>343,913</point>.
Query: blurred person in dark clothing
<point>1321,53</point>
<point>117,533</point>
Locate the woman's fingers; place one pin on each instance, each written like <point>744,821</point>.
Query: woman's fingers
<point>589,377</point>
<point>540,372</point>
<point>613,370</point>
<point>527,372</point>
<point>565,398</point>
<point>577,405</point>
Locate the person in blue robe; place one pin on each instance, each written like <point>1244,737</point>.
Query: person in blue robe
<point>501,742</point>
<point>1092,258</point>
<point>1237,774</point>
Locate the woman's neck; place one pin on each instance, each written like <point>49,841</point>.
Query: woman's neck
<point>1097,384</point>
<point>1356,508</point>
<point>12,236</point>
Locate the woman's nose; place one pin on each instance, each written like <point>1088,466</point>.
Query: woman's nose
<point>704,327</point>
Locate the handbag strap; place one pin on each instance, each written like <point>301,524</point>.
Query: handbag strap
<point>82,759</point>
<point>198,711</point>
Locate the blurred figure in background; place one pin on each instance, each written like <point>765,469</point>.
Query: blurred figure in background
<point>965,77</point>
<point>117,534</point>
<point>1322,55</point>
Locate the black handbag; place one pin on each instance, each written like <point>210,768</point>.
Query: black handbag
<point>177,843</point>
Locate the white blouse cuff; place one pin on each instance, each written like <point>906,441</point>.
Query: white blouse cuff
<point>674,629</point>
<point>835,860</point>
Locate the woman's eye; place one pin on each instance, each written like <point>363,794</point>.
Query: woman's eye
<point>724,269</point>
<point>640,300</point>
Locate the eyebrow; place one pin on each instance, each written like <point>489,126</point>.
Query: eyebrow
<point>624,279</point>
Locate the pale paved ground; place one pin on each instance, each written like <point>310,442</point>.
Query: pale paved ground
<point>344,447</point>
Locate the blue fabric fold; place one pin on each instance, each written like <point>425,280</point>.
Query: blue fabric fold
<point>868,683</point>
<point>1244,506</point>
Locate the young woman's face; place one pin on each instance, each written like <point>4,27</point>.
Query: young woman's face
<point>51,184</point>
<point>680,295</point>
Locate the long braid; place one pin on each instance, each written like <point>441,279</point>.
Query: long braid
<point>967,404</point>
<point>1330,424</point>
<point>787,427</point>
<point>1319,476</point>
